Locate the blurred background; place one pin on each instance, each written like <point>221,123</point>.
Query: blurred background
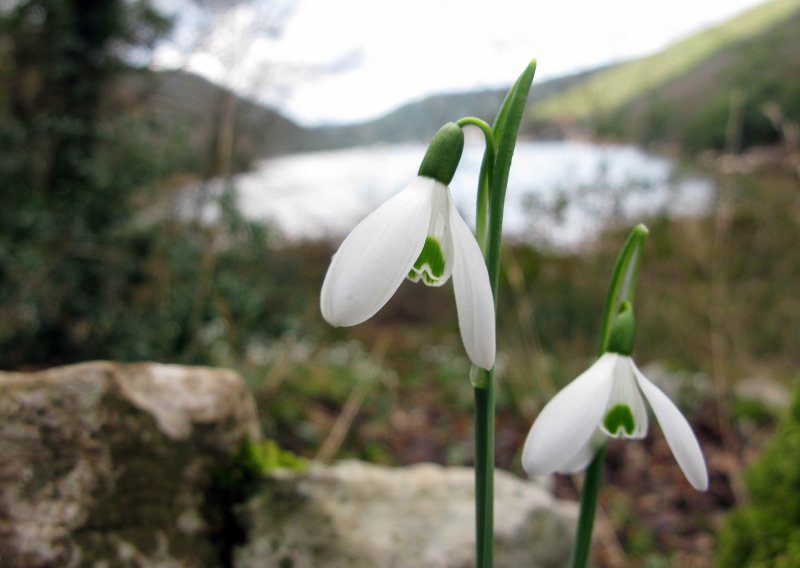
<point>175,175</point>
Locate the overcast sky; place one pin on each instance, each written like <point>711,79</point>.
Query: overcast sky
<point>350,60</point>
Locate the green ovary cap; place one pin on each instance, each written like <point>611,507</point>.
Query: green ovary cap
<point>444,154</point>
<point>430,264</point>
<point>623,331</point>
<point>619,418</point>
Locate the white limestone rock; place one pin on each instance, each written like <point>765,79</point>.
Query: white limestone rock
<point>358,515</point>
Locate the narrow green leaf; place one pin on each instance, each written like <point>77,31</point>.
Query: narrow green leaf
<point>623,281</point>
<point>505,129</point>
<point>502,115</point>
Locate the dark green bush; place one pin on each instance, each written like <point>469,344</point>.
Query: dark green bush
<point>767,532</point>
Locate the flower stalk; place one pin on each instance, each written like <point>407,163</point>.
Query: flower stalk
<point>419,235</point>
<point>609,400</point>
<point>490,204</point>
<point>621,289</point>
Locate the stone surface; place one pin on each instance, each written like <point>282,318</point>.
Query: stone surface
<point>108,465</point>
<point>763,390</point>
<point>356,515</point>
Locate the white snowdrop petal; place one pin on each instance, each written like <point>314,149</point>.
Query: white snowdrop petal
<point>474,301</point>
<point>678,433</point>
<point>585,454</point>
<point>625,396</point>
<point>566,424</point>
<point>377,255</point>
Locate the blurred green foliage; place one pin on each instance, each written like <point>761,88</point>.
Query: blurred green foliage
<point>63,200</point>
<point>767,531</point>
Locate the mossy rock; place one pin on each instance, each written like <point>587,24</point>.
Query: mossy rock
<point>107,464</point>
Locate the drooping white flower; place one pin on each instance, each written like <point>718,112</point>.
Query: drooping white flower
<point>607,400</point>
<point>417,234</point>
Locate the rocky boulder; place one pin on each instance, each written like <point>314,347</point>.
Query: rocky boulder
<point>110,465</point>
<point>355,515</point>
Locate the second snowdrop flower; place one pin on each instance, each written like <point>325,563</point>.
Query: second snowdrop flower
<point>417,234</point>
<point>606,400</point>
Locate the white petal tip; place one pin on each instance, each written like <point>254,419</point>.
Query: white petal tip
<point>701,484</point>
<point>677,432</point>
<point>694,468</point>
<point>531,462</point>
<point>483,360</point>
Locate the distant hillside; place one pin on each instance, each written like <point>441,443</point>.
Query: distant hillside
<point>419,120</point>
<point>736,97</point>
<point>686,93</point>
<point>196,107</point>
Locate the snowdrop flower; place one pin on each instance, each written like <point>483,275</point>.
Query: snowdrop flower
<point>606,400</point>
<point>417,234</point>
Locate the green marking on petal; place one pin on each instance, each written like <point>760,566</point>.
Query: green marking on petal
<point>430,264</point>
<point>619,418</point>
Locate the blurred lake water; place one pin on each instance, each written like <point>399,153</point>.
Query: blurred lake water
<point>559,193</point>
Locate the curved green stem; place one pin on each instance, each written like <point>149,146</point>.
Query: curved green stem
<point>486,174</point>
<point>505,129</point>
<point>621,289</point>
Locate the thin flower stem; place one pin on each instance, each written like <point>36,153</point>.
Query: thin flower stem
<point>494,172</point>
<point>621,289</point>
<point>484,394</point>
<point>591,489</point>
<point>484,470</point>
<point>483,382</point>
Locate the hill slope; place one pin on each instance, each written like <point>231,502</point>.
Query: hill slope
<point>199,108</point>
<point>685,93</point>
<point>419,120</point>
<point>622,84</point>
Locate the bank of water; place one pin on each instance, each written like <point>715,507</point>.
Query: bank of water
<point>559,193</point>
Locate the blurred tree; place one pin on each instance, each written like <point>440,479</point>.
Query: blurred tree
<point>228,32</point>
<point>61,201</point>
<point>91,263</point>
